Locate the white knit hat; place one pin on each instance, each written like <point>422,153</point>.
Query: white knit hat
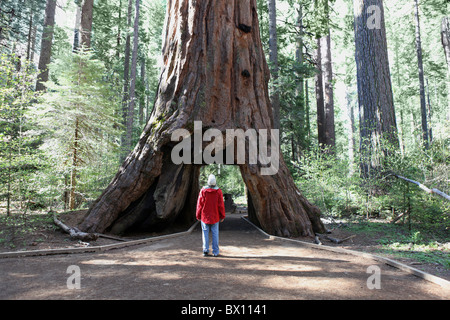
<point>211,180</point>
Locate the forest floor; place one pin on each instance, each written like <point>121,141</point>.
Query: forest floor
<point>378,237</point>
<point>251,267</point>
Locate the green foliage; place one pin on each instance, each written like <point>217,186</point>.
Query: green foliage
<point>326,180</point>
<point>15,18</point>
<point>18,157</point>
<point>419,243</point>
<point>14,229</point>
<point>228,178</point>
<point>77,117</point>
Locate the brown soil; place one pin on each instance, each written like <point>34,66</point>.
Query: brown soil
<point>371,244</point>
<point>250,266</point>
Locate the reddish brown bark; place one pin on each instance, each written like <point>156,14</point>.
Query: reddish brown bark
<point>215,72</point>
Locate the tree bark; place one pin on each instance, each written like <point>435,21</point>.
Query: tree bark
<point>142,97</point>
<point>330,133</point>
<point>126,80</point>
<point>430,114</point>
<point>423,106</point>
<point>46,44</point>
<point>273,58</point>
<point>351,127</point>
<point>445,38</point>
<point>308,125</point>
<point>73,174</point>
<point>30,33</point>
<point>300,90</point>
<point>320,100</point>
<point>376,104</point>
<point>86,23</point>
<point>132,95</point>
<point>76,30</point>
<point>214,71</point>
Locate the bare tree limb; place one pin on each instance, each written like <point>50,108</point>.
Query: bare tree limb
<point>337,241</point>
<point>425,188</point>
<point>74,232</point>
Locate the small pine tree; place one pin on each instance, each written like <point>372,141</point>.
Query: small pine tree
<point>17,154</point>
<point>78,114</point>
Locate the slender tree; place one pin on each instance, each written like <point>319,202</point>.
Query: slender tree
<point>320,100</point>
<point>298,140</point>
<point>132,94</point>
<point>273,58</point>
<point>46,44</point>
<point>76,29</point>
<point>126,79</point>
<point>327,73</point>
<point>86,23</point>
<point>423,106</point>
<point>445,39</point>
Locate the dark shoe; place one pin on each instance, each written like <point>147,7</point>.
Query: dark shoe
<point>205,253</point>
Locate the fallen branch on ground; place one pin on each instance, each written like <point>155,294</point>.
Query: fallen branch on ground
<point>425,188</point>
<point>337,241</point>
<point>107,236</point>
<point>317,240</point>
<point>399,217</point>
<point>74,232</point>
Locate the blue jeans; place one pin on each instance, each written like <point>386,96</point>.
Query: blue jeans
<point>215,237</point>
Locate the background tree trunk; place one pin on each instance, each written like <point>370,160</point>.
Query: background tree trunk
<point>423,106</point>
<point>321,129</point>
<point>76,30</point>
<point>327,73</point>
<point>214,71</point>
<point>86,23</point>
<point>132,102</point>
<point>376,104</point>
<point>300,90</point>
<point>30,33</point>
<point>273,58</point>
<point>46,44</point>
<point>142,97</point>
<point>445,38</point>
<point>126,80</point>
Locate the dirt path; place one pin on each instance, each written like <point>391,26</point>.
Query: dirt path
<point>250,267</point>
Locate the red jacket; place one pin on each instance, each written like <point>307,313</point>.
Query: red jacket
<point>210,206</point>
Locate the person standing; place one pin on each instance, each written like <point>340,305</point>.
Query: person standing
<point>210,211</point>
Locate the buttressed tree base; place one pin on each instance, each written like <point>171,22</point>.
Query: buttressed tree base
<point>214,71</point>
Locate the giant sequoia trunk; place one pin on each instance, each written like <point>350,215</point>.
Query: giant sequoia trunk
<point>214,71</point>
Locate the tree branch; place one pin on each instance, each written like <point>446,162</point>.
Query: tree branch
<point>425,188</point>
<point>74,232</point>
